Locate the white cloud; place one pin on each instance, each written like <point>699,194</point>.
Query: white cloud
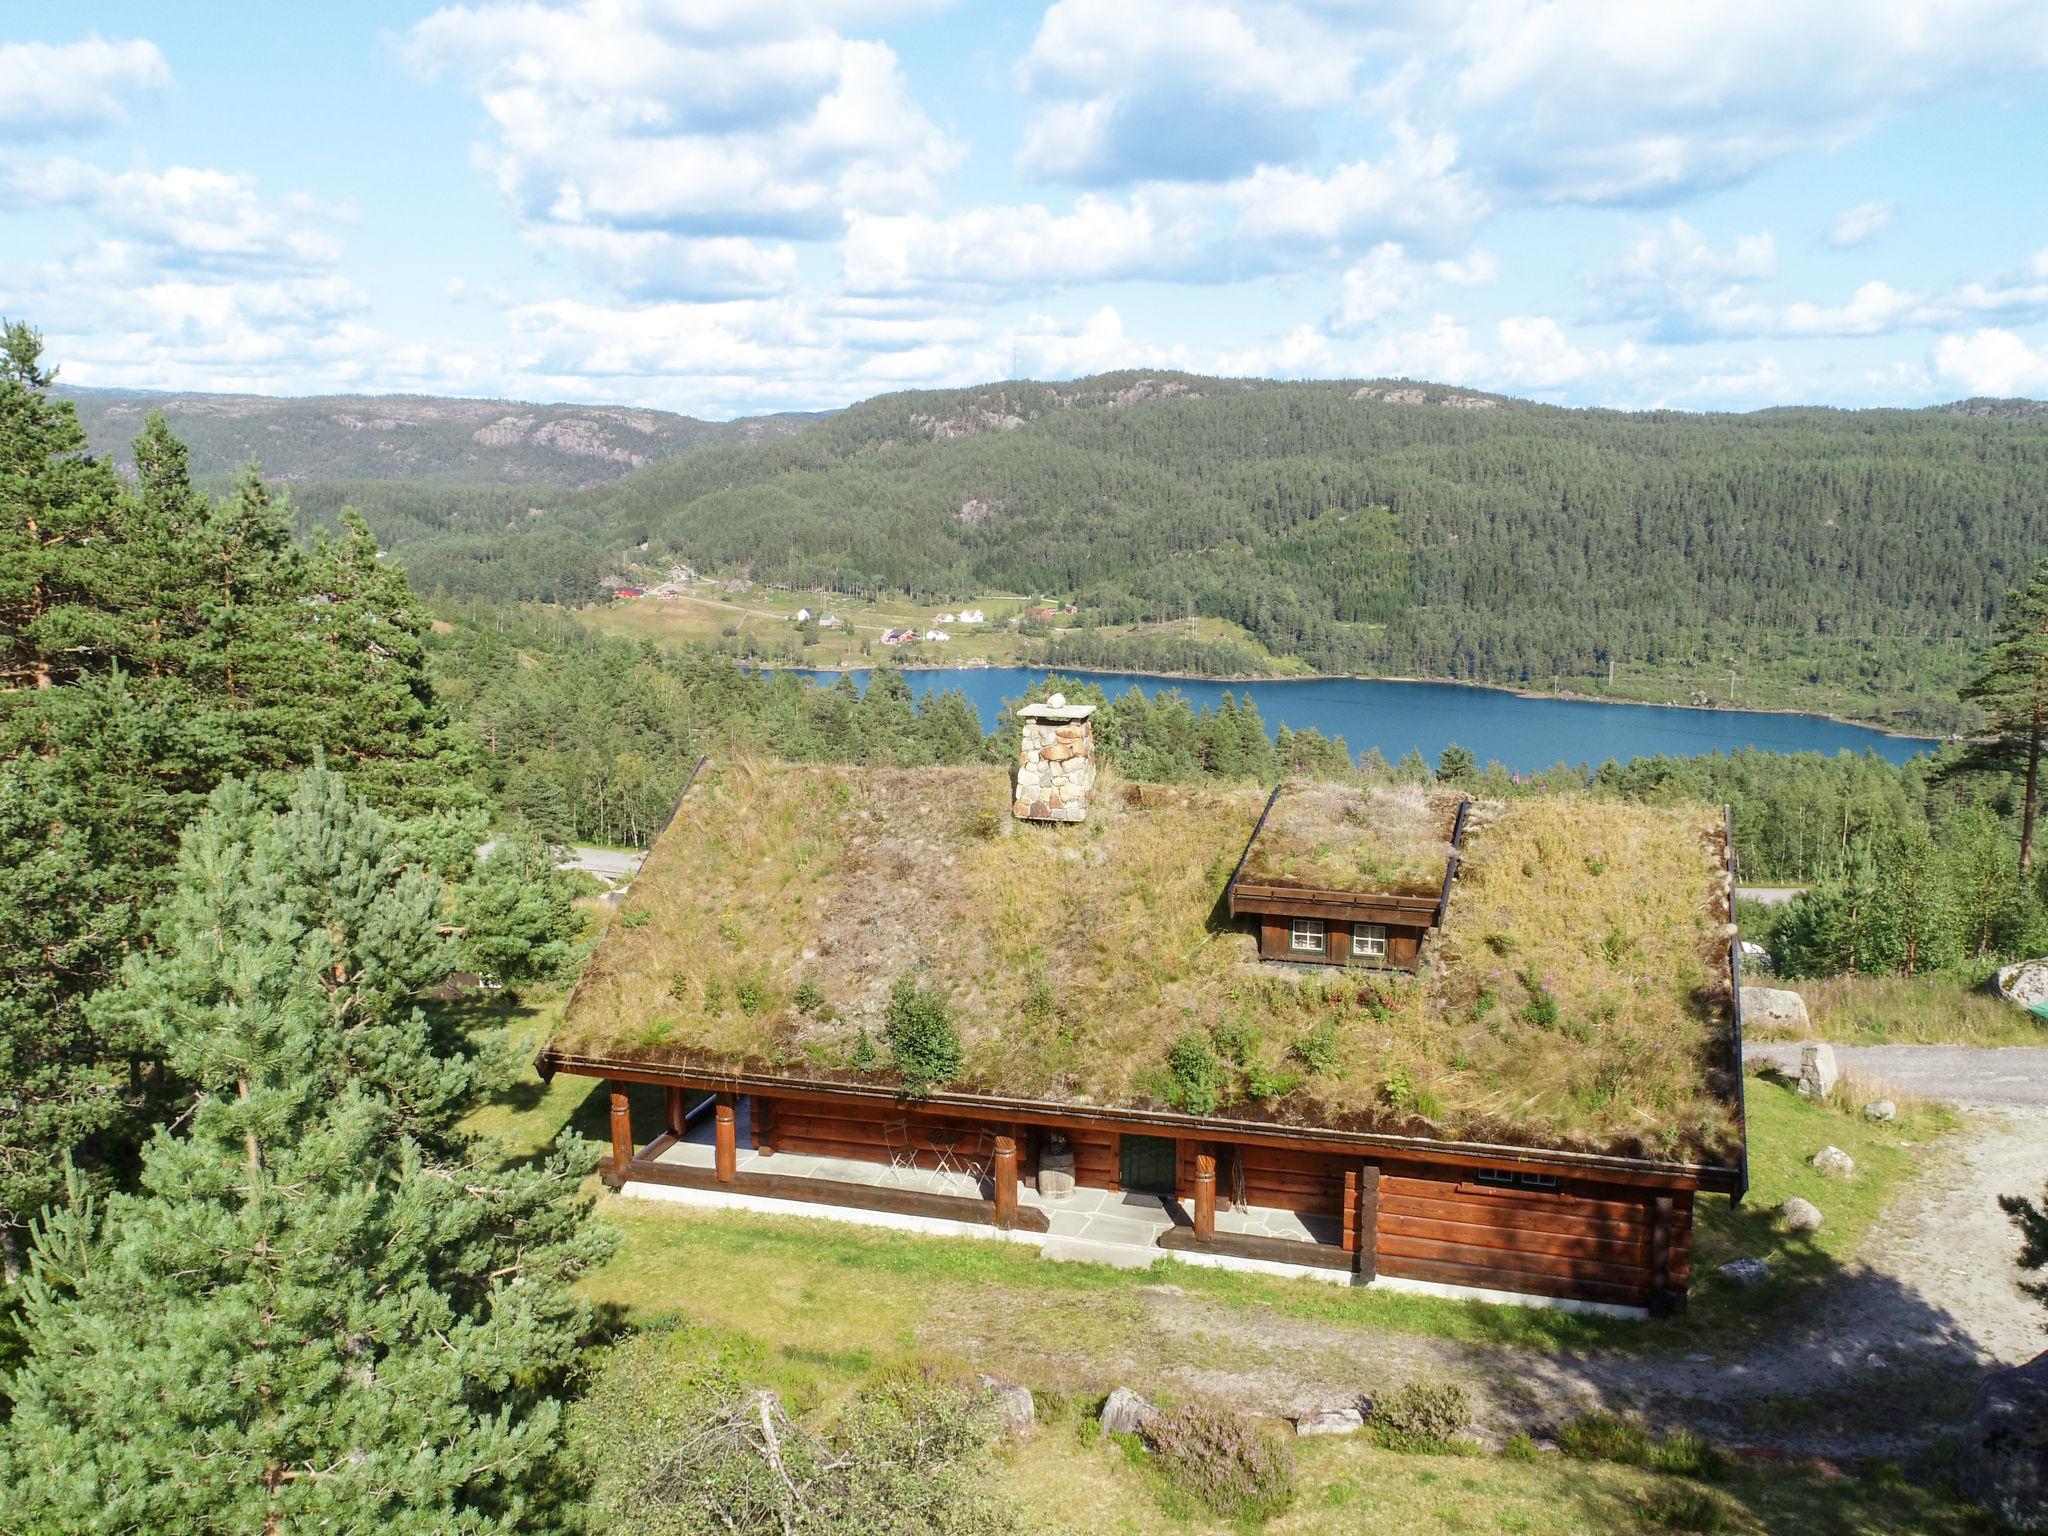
<point>1024,247</point>
<point>1612,100</point>
<point>1676,252</point>
<point>1415,190</point>
<point>195,217</point>
<point>647,263</point>
<point>52,88</point>
<point>1863,222</point>
<point>1387,282</point>
<point>699,121</point>
<point>1176,90</point>
<point>1992,362</point>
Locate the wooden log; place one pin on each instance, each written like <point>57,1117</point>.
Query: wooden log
<point>1577,1287</point>
<point>622,1131</point>
<point>673,1096</point>
<point>804,1192</point>
<point>1365,1246</point>
<point>1004,1176</point>
<point>1351,1210</point>
<point>727,1126</point>
<point>1116,1163</point>
<point>1205,1192</point>
<point>1511,1237</point>
<point>1507,1262</point>
<point>767,1112</point>
<point>1273,1250</point>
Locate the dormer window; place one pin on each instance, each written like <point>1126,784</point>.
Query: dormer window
<point>1368,941</point>
<point>1306,936</point>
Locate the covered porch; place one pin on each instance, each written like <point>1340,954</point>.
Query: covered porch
<point>933,1174</point>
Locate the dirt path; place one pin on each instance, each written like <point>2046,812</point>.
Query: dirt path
<point>1892,1355</point>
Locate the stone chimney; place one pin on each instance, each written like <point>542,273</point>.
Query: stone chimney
<point>1056,764</point>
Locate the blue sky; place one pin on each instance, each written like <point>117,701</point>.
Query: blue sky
<point>731,206</point>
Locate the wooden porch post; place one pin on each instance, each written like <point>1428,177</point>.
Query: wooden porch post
<point>1367,1253</point>
<point>622,1131</point>
<point>674,1095</point>
<point>1660,1256</point>
<point>1351,1211</point>
<point>764,1125</point>
<point>1004,1177</point>
<point>728,1138</point>
<point>1205,1191</point>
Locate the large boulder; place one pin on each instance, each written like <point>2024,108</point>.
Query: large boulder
<point>1126,1413</point>
<point>1015,1410</point>
<point>2003,1461</point>
<point>1747,1271</point>
<point>1774,1006</point>
<point>1818,1073</point>
<point>1835,1163</point>
<point>1800,1215</point>
<point>1880,1110</point>
<point>1332,1419</point>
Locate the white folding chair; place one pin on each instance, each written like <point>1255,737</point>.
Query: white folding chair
<point>902,1150</point>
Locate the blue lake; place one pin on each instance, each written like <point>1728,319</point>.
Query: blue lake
<point>1522,733</point>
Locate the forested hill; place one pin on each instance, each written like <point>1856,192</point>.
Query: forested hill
<point>1386,528</point>
<point>411,437</point>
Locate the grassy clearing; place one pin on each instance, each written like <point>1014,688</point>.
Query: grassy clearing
<point>1911,1010</point>
<point>1575,1000</point>
<point>1349,1486</point>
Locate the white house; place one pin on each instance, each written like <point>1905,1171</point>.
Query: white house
<point>970,616</point>
<point>936,634</point>
<point>803,615</point>
<point>945,618</point>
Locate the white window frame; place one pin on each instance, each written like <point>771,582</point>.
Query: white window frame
<point>1307,936</point>
<point>1369,941</point>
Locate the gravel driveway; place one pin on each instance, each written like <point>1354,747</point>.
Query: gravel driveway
<point>2007,1077</point>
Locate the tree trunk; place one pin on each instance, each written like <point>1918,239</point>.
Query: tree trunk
<point>2027,808</point>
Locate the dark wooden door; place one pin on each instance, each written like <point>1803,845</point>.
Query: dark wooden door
<point>1148,1164</point>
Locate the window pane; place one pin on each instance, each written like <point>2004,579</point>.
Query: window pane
<point>1307,933</point>
<point>1369,939</point>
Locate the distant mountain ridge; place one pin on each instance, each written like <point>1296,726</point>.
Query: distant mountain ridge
<point>2008,409</point>
<point>413,437</point>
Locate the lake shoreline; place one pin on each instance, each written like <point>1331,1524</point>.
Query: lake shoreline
<point>1935,742</point>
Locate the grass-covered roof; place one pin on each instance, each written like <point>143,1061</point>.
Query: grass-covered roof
<point>1575,998</point>
<point>1392,840</point>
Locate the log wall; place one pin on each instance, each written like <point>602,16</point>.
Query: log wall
<point>1586,1240</point>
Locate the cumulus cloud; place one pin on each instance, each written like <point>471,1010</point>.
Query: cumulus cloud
<point>1992,361</point>
<point>709,121</point>
<point>191,217</point>
<point>647,263</point>
<point>1612,101</point>
<point>55,88</point>
<point>1175,90</point>
<point>1387,282</point>
<point>1025,247</point>
<point>1863,222</point>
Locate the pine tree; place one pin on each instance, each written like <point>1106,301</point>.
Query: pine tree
<point>518,916</point>
<point>2011,686</point>
<point>325,1308</point>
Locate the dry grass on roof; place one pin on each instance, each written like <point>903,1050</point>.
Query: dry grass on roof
<point>1389,839</point>
<point>1572,1000</point>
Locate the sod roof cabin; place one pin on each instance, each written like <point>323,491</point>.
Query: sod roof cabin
<point>1340,875</point>
<point>888,991</point>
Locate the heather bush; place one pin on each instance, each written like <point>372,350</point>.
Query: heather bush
<point>1422,1415</point>
<point>1223,1459</point>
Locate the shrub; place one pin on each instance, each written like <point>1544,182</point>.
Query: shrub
<point>921,1037</point>
<point>636,917</point>
<point>1039,1003</point>
<point>807,997</point>
<point>714,995</point>
<point>750,994</point>
<point>1234,1040</point>
<point>864,1053</point>
<point>1605,1437</point>
<point>1317,1049</point>
<point>1521,1448</point>
<point>679,986</point>
<point>1196,1074</point>
<point>1425,1414</point>
<point>1684,1509</point>
<point>1224,1459</point>
<point>1685,1454</point>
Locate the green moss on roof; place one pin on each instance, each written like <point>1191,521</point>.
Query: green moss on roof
<point>1374,840</point>
<point>1575,998</point>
